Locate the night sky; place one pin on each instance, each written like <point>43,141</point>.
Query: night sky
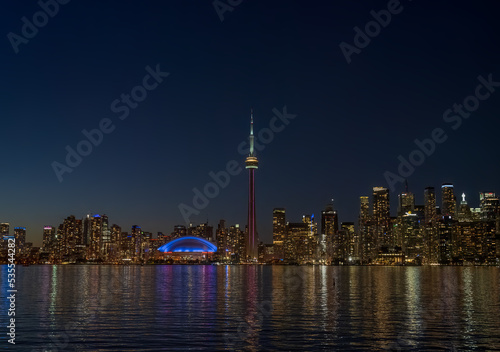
<point>352,120</point>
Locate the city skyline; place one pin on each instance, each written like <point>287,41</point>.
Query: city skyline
<point>352,120</point>
<point>268,238</point>
<point>420,234</point>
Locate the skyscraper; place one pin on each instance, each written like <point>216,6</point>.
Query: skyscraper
<point>49,237</point>
<point>381,217</point>
<point>464,213</point>
<point>237,239</point>
<point>252,164</point>
<point>299,244</point>
<point>87,229</point>
<point>71,236</point>
<point>137,241</point>
<point>431,239</point>
<point>430,204</point>
<point>329,230</point>
<point>348,242</point>
<point>106,232</point>
<point>446,234</point>
<point>279,231</point>
<point>222,238</point>
<point>106,238</point>
<point>449,200</point>
<point>95,237</point>
<point>115,247</point>
<point>313,236</point>
<point>411,237</point>
<point>20,236</point>
<point>406,202</point>
<point>365,235</point>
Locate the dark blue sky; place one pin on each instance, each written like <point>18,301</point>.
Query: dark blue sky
<point>353,120</point>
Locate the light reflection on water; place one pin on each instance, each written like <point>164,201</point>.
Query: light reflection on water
<point>253,308</point>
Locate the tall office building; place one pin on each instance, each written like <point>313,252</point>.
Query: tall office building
<point>430,204</point>
<point>237,241</point>
<point>329,221</point>
<point>431,238</point>
<point>71,235</point>
<point>20,236</point>
<point>95,237</point>
<point>464,213</point>
<point>489,205</point>
<point>348,242</point>
<point>364,207</point>
<point>115,247</point>
<point>115,234</point>
<point>49,238</point>
<point>446,233</point>
<point>382,218</point>
<point>127,247</point>
<point>329,231</point>
<point>252,164</point>
<point>449,201</point>
<point>222,238</point>
<point>367,244</point>
<point>279,231</point>
<point>137,241</point>
<point>106,232</point>
<point>106,238</point>
<point>87,226</point>
<point>299,244</point>
<point>412,238</point>
<point>406,201</point>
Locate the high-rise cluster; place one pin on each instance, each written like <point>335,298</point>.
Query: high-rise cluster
<point>420,234</point>
<point>450,233</point>
<point>92,239</point>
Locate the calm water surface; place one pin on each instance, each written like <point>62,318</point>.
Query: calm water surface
<point>254,308</point>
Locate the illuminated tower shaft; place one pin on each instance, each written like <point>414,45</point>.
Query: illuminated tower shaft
<point>252,164</point>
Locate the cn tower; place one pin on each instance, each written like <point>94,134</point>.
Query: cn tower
<point>252,164</point>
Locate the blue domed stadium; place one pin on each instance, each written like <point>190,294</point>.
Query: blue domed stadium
<point>188,244</point>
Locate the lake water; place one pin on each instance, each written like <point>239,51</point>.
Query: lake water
<point>253,308</point>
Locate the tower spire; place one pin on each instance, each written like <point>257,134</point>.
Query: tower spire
<point>251,133</point>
